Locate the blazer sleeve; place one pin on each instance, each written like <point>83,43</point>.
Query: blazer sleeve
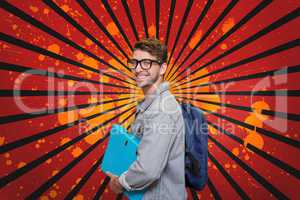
<point>152,154</point>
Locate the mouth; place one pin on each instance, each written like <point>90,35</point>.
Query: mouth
<point>141,77</point>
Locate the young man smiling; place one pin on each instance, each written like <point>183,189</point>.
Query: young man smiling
<point>159,167</point>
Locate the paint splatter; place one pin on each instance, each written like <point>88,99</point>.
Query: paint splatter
<point>34,8</point>
<point>88,42</point>
<point>67,117</point>
<point>54,48</point>
<point>228,24</point>
<point>53,194</point>
<point>79,197</point>
<point>152,31</point>
<point>254,139</point>
<point>76,152</point>
<point>195,39</point>
<point>112,29</point>
<point>223,46</point>
<point>2,140</point>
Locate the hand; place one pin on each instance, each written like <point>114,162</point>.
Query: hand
<point>114,184</point>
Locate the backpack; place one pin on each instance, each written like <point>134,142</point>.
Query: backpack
<point>196,136</point>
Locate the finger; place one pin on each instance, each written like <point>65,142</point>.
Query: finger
<point>109,174</point>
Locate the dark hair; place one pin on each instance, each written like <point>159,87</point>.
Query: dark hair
<point>154,47</point>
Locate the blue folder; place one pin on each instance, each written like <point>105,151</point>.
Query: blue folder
<point>120,154</point>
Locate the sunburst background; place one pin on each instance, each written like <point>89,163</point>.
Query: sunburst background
<point>64,82</point>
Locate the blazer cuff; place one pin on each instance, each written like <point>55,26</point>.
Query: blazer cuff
<point>123,182</point>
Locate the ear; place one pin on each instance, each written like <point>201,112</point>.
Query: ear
<point>163,69</point>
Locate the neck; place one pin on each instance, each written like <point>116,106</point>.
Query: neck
<point>148,90</point>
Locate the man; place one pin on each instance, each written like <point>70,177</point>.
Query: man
<point>159,167</point>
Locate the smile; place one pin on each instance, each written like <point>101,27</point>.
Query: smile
<point>141,77</point>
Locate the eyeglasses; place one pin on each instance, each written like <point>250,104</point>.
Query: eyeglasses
<point>144,63</point>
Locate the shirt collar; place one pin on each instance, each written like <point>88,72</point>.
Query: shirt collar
<point>142,106</point>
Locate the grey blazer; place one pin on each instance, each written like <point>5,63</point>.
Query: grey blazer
<point>160,157</point>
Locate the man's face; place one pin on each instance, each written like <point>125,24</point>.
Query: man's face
<point>147,77</point>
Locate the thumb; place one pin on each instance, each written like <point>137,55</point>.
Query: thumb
<point>109,174</point>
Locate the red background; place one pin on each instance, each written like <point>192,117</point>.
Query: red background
<point>256,158</point>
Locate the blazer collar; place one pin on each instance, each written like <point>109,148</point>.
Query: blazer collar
<point>142,106</point>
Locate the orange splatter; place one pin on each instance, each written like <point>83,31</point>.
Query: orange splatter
<point>79,197</point>
<point>64,140</point>
<point>67,117</point>
<point>195,39</point>
<point>152,30</point>
<point>2,140</point>
<point>79,56</point>
<point>223,46</point>
<point>8,162</point>
<point>46,11</point>
<point>71,83</point>
<point>41,57</point>
<point>209,164</point>
<point>34,8</point>
<point>54,172</point>
<point>88,42</point>
<point>14,27</point>
<point>92,100</point>
<point>255,139</point>
<point>44,197</point>
<point>76,152</point>
<point>49,161</point>
<point>6,155</point>
<point>246,157</point>
<point>112,29</point>
<point>212,130</point>
<point>104,79</point>
<point>21,164</point>
<point>54,48</point>
<point>228,24</point>
<point>254,121</point>
<point>90,62</point>
<point>235,151</point>
<point>65,8</point>
<point>62,102</point>
<point>68,31</point>
<point>77,180</point>
<point>53,194</point>
<point>258,107</point>
<point>227,165</point>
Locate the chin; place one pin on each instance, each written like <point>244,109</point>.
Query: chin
<point>143,84</point>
